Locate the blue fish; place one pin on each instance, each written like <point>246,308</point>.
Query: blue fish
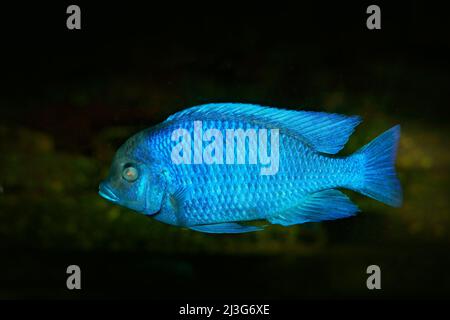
<point>219,168</point>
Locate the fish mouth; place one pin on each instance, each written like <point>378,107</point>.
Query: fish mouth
<point>105,191</point>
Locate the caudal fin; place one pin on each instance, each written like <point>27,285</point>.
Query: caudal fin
<point>379,177</point>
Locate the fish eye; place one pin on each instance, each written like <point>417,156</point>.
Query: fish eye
<point>130,173</point>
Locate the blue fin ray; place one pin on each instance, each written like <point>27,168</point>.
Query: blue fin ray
<point>182,194</point>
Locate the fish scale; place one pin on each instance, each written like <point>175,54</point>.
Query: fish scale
<point>301,171</point>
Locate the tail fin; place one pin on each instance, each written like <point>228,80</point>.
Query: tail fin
<point>380,180</point>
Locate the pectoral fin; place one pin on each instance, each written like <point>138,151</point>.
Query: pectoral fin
<point>225,228</point>
<point>177,201</point>
<point>324,205</point>
<point>180,196</point>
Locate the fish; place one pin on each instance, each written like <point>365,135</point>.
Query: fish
<point>225,167</point>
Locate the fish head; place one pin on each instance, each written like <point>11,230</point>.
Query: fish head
<point>133,181</point>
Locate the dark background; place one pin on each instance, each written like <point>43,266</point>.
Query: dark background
<point>70,98</point>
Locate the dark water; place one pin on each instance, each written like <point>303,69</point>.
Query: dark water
<point>71,98</point>
<point>332,273</point>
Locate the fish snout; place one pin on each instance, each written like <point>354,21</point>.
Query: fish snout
<point>106,192</point>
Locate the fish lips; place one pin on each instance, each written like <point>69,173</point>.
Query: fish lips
<point>105,191</point>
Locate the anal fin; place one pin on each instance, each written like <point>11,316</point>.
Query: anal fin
<point>323,205</point>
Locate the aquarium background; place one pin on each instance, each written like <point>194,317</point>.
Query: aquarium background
<point>70,98</point>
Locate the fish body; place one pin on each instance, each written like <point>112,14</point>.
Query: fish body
<point>212,167</point>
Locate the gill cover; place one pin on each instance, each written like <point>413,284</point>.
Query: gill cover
<point>156,187</point>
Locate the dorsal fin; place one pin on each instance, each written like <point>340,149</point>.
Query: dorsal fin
<point>325,132</point>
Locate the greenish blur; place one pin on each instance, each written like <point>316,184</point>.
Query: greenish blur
<point>53,195</point>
